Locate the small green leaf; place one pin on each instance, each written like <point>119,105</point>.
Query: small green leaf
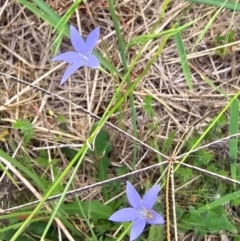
<point>69,152</point>
<point>101,150</point>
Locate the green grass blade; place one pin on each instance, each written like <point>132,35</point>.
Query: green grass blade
<point>127,78</point>
<point>50,17</point>
<point>56,208</point>
<point>65,18</point>
<point>81,154</point>
<point>46,9</point>
<point>172,31</point>
<point>35,179</point>
<point>225,4</point>
<point>16,225</point>
<point>213,86</point>
<point>63,23</point>
<point>233,143</point>
<point>183,59</point>
<point>220,201</point>
<point>146,38</point>
<point>124,233</point>
<point>207,27</point>
<point>209,82</point>
<point>94,238</point>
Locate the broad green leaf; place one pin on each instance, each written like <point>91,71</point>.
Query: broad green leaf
<point>156,233</point>
<point>102,145</point>
<point>206,222</point>
<point>94,210</point>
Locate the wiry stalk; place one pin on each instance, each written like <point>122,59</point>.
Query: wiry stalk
<point>171,220</point>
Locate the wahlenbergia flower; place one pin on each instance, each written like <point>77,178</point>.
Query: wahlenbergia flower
<point>83,55</point>
<point>141,211</point>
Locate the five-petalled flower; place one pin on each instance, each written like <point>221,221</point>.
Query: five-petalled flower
<point>83,55</point>
<point>141,212</point>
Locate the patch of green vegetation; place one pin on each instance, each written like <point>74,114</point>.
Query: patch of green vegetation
<point>26,128</point>
<point>33,232</point>
<point>148,106</point>
<point>206,222</point>
<point>225,39</point>
<point>206,190</point>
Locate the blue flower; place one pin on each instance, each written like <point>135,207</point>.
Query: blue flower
<point>141,212</point>
<point>83,55</point>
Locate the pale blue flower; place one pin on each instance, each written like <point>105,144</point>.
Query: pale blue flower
<point>141,212</point>
<point>83,55</point>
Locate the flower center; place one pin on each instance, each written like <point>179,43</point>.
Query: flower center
<point>84,56</point>
<point>146,214</point>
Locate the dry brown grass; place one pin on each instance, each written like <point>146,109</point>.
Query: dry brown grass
<point>25,50</point>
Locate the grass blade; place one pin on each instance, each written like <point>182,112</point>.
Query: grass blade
<point>183,59</point>
<point>233,143</point>
<point>128,81</point>
<point>207,27</point>
<point>220,201</point>
<point>225,4</point>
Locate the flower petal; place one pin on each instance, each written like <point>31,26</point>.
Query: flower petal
<point>157,218</point>
<point>124,215</point>
<point>133,197</point>
<point>70,70</point>
<point>92,39</point>
<point>150,197</point>
<point>77,40</point>
<point>69,57</point>
<point>137,228</point>
<point>93,62</point>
